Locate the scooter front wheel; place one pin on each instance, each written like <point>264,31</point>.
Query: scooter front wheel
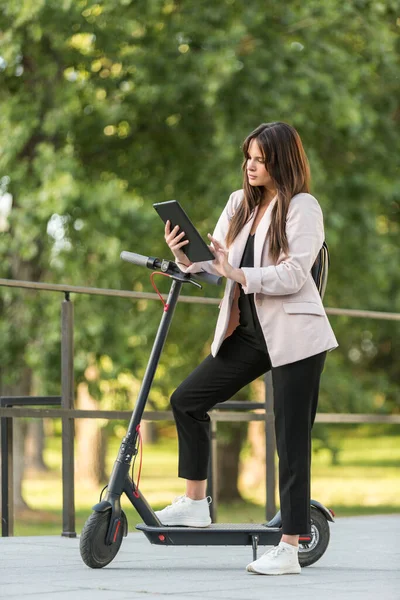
<point>311,552</point>
<point>95,552</point>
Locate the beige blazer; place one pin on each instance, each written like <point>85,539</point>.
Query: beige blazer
<point>287,301</point>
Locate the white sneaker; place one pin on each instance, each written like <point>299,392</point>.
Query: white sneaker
<point>280,560</point>
<point>187,512</point>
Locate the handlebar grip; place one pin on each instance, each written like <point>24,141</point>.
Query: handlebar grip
<point>207,277</point>
<point>136,259</point>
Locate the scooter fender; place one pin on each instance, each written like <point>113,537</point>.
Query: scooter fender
<point>276,521</point>
<point>105,505</point>
<point>102,506</point>
<point>325,511</point>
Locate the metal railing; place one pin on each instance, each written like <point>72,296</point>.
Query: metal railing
<point>7,458</point>
<point>67,413</point>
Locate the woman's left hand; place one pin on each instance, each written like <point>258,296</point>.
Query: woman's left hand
<point>221,258</point>
<point>221,263</point>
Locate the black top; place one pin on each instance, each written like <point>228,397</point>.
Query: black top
<point>249,327</point>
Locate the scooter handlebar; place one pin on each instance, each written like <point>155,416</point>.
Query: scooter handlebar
<point>154,263</point>
<point>136,259</point>
<point>207,277</point>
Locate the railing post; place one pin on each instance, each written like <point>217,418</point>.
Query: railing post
<point>67,401</point>
<point>270,447</point>
<point>7,477</point>
<point>212,480</point>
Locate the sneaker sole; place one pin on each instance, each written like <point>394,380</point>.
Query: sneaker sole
<point>199,524</point>
<point>280,572</point>
<point>186,523</point>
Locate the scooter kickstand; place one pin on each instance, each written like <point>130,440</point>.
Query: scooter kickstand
<point>254,542</point>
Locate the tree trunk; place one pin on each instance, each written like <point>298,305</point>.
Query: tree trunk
<point>22,330</point>
<point>34,447</point>
<point>253,472</point>
<point>91,441</point>
<point>19,436</point>
<point>35,437</point>
<point>22,388</point>
<point>148,430</point>
<point>230,438</point>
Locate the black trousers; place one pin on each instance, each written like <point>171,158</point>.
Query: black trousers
<point>296,387</point>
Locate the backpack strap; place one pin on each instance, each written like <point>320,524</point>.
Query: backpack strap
<point>319,270</point>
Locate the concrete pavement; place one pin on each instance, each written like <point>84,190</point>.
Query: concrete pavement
<point>361,563</point>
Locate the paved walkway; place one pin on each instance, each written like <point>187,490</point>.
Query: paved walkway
<point>361,563</point>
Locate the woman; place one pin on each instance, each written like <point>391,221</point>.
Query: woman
<point>271,318</point>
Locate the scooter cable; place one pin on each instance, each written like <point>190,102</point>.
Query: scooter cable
<point>136,487</point>
<point>102,491</point>
<point>140,450</point>
<point>166,306</point>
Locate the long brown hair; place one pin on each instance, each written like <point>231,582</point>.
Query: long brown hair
<point>287,165</point>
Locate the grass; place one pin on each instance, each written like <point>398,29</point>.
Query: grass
<point>366,481</point>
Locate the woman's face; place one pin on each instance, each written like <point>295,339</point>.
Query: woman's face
<point>257,174</point>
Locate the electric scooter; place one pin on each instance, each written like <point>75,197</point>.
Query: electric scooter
<point>104,530</point>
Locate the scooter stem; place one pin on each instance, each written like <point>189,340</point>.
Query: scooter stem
<point>127,450</point>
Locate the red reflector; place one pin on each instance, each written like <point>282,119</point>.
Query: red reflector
<point>116,532</point>
<point>332,513</point>
<point>161,537</point>
<point>306,538</point>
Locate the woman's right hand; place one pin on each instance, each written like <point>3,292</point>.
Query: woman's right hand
<point>174,241</point>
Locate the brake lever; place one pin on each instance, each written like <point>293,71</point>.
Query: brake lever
<point>169,268</point>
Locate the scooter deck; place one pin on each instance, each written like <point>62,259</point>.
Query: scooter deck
<point>217,534</point>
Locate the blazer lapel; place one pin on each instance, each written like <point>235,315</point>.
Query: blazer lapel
<point>261,233</point>
<point>237,248</point>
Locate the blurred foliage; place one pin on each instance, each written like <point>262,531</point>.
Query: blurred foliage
<point>110,106</point>
<point>369,468</point>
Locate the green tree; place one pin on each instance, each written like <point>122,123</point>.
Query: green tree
<point>110,106</point>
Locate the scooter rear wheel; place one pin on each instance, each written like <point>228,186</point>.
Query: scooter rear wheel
<point>95,552</point>
<point>310,553</point>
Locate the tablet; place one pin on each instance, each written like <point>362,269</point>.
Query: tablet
<point>196,250</point>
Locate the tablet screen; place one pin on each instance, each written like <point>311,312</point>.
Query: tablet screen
<point>196,250</point>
